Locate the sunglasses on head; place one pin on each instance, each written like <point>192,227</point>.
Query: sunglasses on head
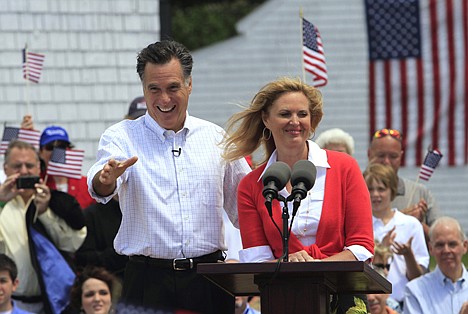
<point>384,132</point>
<point>51,146</point>
<point>382,266</point>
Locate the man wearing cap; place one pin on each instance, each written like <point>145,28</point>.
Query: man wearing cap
<point>56,136</point>
<point>137,108</point>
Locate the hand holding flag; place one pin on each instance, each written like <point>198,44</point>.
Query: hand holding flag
<point>430,163</point>
<point>66,163</point>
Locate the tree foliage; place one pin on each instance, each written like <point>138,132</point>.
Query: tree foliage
<point>200,23</point>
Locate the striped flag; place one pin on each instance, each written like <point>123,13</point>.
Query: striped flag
<point>418,74</point>
<point>430,163</point>
<point>66,163</point>
<point>32,65</point>
<point>313,55</point>
<point>11,133</point>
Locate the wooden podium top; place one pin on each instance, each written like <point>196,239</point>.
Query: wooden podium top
<point>346,277</point>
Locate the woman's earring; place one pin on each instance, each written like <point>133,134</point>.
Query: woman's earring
<point>266,138</point>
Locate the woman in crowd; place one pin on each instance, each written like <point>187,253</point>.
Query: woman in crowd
<point>402,233</point>
<point>92,291</point>
<point>334,220</point>
<point>336,139</point>
<point>57,137</point>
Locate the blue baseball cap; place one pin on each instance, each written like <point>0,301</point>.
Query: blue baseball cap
<point>53,133</point>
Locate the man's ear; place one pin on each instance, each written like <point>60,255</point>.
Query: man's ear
<point>15,284</point>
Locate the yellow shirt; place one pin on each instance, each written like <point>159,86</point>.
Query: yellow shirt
<point>14,240</point>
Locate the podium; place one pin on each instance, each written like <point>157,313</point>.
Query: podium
<point>295,287</point>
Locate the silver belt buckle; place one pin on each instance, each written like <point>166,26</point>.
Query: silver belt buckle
<point>179,259</point>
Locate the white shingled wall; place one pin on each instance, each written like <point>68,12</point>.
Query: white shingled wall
<point>89,75</point>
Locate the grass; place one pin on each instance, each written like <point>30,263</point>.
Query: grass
<point>432,262</point>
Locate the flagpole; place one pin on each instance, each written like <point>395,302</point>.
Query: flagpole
<point>26,96</point>
<point>413,190</point>
<point>301,15</point>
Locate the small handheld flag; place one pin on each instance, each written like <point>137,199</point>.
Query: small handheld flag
<point>430,163</point>
<point>11,133</point>
<point>313,54</point>
<point>32,65</point>
<point>66,163</point>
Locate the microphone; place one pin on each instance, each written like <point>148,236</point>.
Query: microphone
<point>274,180</point>
<point>302,179</point>
<point>177,152</point>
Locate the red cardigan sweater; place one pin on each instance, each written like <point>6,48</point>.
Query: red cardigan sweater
<point>346,217</point>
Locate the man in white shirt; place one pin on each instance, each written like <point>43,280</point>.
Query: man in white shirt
<point>445,290</point>
<point>173,184</point>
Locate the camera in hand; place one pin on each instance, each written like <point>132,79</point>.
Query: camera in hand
<point>26,182</point>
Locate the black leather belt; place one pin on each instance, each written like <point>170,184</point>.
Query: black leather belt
<point>178,263</point>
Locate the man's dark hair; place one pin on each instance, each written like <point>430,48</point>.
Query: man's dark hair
<point>163,52</point>
<point>7,264</point>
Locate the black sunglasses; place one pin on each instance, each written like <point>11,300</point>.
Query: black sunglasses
<point>51,146</point>
<point>382,266</point>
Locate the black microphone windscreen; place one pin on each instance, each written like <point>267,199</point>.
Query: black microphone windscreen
<point>279,172</point>
<point>304,171</point>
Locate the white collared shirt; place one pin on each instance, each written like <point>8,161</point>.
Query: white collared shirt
<point>405,227</point>
<point>171,204</point>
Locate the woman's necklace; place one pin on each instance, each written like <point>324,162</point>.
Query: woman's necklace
<point>306,214</point>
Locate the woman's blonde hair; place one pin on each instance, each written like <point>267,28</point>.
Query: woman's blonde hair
<point>245,129</point>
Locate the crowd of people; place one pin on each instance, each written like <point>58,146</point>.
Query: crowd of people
<point>169,191</point>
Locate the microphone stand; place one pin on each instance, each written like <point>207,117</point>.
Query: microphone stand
<point>285,218</point>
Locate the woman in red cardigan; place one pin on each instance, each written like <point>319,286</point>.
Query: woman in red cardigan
<point>334,220</point>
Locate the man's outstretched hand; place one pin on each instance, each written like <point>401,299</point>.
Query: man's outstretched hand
<point>104,182</point>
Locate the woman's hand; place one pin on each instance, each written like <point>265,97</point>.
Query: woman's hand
<point>301,256</point>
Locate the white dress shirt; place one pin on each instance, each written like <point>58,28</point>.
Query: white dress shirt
<point>171,202</point>
<point>405,227</point>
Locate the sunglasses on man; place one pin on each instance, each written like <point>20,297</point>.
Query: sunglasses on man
<point>388,132</point>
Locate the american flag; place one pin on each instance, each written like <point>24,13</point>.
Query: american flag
<point>11,133</point>
<point>32,65</point>
<point>418,74</point>
<point>430,163</point>
<point>313,55</point>
<point>65,163</point>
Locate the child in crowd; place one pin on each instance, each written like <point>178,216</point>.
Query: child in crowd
<point>8,285</point>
